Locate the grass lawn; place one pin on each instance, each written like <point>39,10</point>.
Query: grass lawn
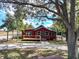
<point>30,53</point>
<point>14,41</point>
<point>58,42</point>
<point>61,42</point>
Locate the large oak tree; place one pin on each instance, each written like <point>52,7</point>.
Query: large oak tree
<point>65,10</point>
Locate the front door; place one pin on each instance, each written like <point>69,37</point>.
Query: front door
<point>43,35</point>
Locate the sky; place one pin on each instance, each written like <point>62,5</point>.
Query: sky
<point>2,16</point>
<point>34,22</point>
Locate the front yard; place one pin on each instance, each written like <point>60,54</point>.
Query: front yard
<point>61,42</point>
<point>31,53</point>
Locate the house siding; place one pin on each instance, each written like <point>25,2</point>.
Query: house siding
<point>51,34</point>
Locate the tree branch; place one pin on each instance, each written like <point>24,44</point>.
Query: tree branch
<point>41,6</point>
<point>57,6</point>
<point>48,18</point>
<point>72,14</point>
<point>31,4</point>
<point>65,14</point>
<point>77,32</point>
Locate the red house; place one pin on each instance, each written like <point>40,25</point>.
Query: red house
<point>40,33</point>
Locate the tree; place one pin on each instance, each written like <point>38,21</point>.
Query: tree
<point>20,14</point>
<point>59,27</point>
<point>9,23</point>
<point>66,12</point>
<point>30,26</point>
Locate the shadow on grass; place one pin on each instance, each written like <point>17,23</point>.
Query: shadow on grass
<point>30,53</point>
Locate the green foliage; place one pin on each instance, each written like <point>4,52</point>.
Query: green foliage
<point>16,21</point>
<point>77,22</point>
<point>58,27</point>
<point>12,26</point>
<point>3,25</point>
<point>30,27</point>
<point>20,25</point>
<point>20,14</point>
<point>77,16</point>
<point>9,23</point>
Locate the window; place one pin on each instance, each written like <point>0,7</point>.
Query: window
<point>46,33</point>
<point>29,33</point>
<point>52,33</point>
<point>39,33</point>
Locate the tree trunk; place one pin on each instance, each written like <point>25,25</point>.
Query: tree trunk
<point>66,35</point>
<point>17,34</point>
<point>72,46</point>
<point>7,35</point>
<point>12,34</point>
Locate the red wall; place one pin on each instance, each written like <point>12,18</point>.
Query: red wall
<point>49,37</point>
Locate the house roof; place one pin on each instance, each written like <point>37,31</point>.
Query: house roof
<point>39,27</point>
